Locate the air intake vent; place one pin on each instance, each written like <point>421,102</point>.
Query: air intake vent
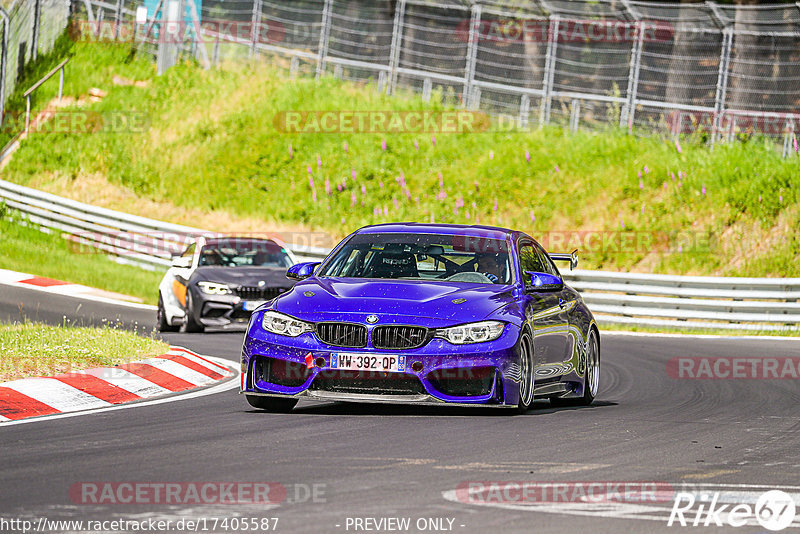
<point>399,337</point>
<point>342,334</point>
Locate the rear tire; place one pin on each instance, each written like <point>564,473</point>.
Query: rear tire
<point>191,326</point>
<point>271,404</point>
<point>526,373</point>
<point>591,378</point>
<point>161,319</point>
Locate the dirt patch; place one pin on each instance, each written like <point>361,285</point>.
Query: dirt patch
<point>96,190</point>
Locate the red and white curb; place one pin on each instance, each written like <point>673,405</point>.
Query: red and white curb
<point>177,370</point>
<point>51,285</point>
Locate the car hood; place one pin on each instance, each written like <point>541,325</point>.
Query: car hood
<point>243,276</point>
<point>394,301</point>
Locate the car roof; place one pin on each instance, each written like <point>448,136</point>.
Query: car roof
<point>488,232</point>
<point>241,240</point>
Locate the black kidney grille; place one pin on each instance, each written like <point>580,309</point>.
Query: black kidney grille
<point>399,337</point>
<point>259,293</point>
<point>342,334</point>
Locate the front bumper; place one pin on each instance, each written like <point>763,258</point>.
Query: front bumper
<point>474,374</point>
<point>222,310</point>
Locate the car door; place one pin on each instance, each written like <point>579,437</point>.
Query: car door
<point>545,314</point>
<point>567,299</point>
<point>183,272</point>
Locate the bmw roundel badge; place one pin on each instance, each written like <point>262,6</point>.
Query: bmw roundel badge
<point>372,319</point>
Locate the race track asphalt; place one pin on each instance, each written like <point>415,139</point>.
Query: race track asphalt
<point>397,461</point>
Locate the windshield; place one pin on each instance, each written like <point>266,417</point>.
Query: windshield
<point>428,257</point>
<point>244,253</point>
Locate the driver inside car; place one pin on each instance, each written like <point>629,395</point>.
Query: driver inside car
<point>490,266</point>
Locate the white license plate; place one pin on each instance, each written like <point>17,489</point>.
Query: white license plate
<point>250,305</point>
<point>368,362</point>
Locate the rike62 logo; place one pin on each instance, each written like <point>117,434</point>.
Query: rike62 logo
<point>774,510</point>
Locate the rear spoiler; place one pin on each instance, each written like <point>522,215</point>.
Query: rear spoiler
<point>572,257</point>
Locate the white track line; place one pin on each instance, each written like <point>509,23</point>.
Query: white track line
<point>224,386</point>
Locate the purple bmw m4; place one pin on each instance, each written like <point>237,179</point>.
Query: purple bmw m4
<point>425,314</point>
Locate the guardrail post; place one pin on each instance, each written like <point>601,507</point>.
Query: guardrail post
<point>397,44</point>
<point>60,83</point>
<point>549,70</point>
<point>574,115</point>
<point>629,109</point>
<point>472,53</point>
<point>722,82</point>
<point>427,88</point>
<point>323,37</point>
<point>37,15</point>
<point>255,26</point>
<point>787,139</point>
<point>27,112</point>
<point>117,19</point>
<point>4,62</point>
<point>199,35</point>
<point>524,111</point>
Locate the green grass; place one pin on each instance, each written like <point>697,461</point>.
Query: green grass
<point>212,145</point>
<point>33,349</point>
<point>30,251</point>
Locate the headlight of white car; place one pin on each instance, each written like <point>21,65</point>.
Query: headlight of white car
<point>279,323</point>
<point>213,288</point>
<point>472,332</point>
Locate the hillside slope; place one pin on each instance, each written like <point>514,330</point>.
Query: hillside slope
<point>210,145</point>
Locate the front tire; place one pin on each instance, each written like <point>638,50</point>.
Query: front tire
<point>271,404</point>
<point>161,319</point>
<point>591,378</point>
<point>191,325</point>
<point>526,372</point>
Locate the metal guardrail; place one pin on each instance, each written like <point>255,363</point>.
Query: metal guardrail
<point>690,301</point>
<point>625,298</point>
<point>132,239</point>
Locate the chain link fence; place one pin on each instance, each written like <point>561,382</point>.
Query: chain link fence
<point>718,71</point>
<point>29,28</point>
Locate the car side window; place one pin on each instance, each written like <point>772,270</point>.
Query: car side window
<point>549,266</point>
<point>529,260</point>
<point>189,252</point>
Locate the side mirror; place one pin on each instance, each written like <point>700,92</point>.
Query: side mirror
<point>544,282</point>
<point>182,262</point>
<point>301,271</point>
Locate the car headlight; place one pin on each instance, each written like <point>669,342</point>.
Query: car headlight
<point>278,323</point>
<point>213,288</point>
<point>471,332</point>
